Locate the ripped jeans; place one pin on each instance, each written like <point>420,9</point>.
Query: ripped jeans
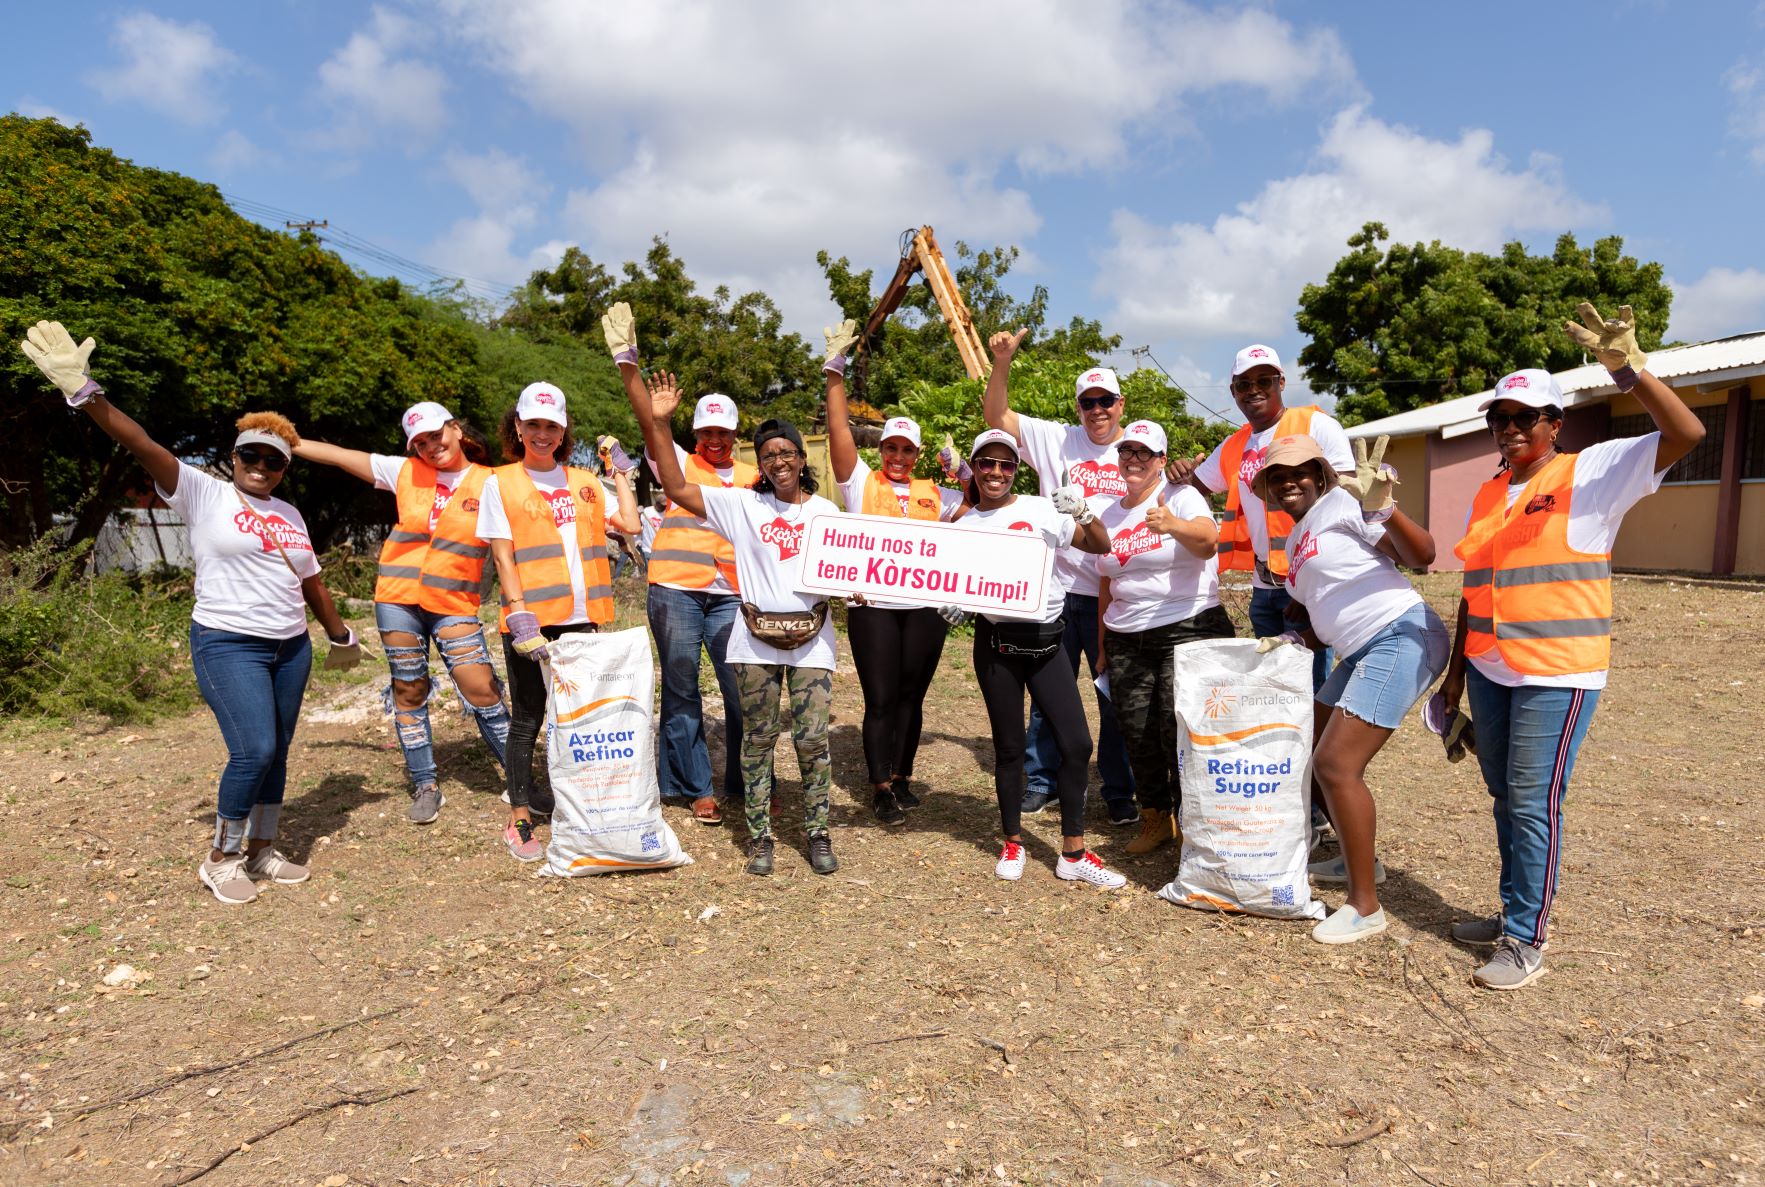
<point>411,663</point>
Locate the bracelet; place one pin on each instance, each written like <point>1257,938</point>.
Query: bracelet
<point>1625,377</point>
<point>835,365</point>
<point>628,355</point>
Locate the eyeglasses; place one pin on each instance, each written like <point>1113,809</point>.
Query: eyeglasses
<point>1262,383</point>
<point>1135,453</point>
<point>1002,464</point>
<point>1522,420</point>
<point>269,459</point>
<point>1087,403</point>
<point>781,455</point>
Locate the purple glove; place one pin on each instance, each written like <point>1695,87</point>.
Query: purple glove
<point>524,635</point>
<point>835,365</point>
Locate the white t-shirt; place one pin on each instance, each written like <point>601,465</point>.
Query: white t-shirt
<point>1153,580</point>
<point>386,469</point>
<point>242,583</point>
<point>1351,589</point>
<point>1325,430</point>
<point>493,524</point>
<point>852,490</point>
<point>1050,447</point>
<point>1610,479</point>
<point>651,520</point>
<point>727,473</point>
<point>1031,513</point>
<point>768,537</point>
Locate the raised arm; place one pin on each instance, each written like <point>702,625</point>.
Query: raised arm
<point>1198,536</point>
<point>653,402</point>
<point>996,403</point>
<point>842,451</point>
<point>625,519</point>
<point>52,348</point>
<point>1406,542</point>
<point>354,462</point>
<point>1612,340</point>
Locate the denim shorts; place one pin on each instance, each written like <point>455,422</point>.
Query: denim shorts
<point>1383,680</point>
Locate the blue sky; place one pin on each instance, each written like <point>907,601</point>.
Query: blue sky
<point>1177,170</point>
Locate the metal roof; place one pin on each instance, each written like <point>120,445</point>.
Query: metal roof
<point>1719,363</point>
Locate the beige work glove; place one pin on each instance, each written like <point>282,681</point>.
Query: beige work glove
<point>839,338</point>
<point>51,347</point>
<point>1372,481</point>
<point>621,331</point>
<point>1611,340</point>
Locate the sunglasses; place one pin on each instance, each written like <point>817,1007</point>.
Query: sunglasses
<point>1522,420</point>
<point>269,459</point>
<point>1087,403</point>
<point>1262,383</point>
<point>1001,464</point>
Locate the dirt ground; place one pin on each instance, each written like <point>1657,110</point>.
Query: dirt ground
<point>425,1011</point>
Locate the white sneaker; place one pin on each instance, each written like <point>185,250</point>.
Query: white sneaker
<point>1347,925</point>
<point>228,879</point>
<point>270,863</point>
<point>1334,871</point>
<point>1010,865</point>
<point>1088,868</point>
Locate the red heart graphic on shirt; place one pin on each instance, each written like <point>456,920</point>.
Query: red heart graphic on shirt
<point>787,538</point>
<point>271,530</point>
<point>1098,478</point>
<point>1132,542</point>
<point>1022,526</point>
<point>1303,550</point>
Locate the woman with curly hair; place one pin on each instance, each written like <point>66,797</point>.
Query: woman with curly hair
<point>256,576</point>
<point>429,584</point>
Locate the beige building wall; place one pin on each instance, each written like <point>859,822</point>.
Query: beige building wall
<point>1674,528</point>
<point>1410,456</point>
<point>1749,552</point>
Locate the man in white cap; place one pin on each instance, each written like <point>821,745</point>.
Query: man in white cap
<point>693,601</point>
<point>1254,537</point>
<point>1082,455</point>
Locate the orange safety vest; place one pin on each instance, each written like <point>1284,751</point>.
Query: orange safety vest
<point>1544,607</point>
<point>539,553</point>
<point>441,572</point>
<point>923,500</point>
<point>686,552</point>
<point>1234,547</point>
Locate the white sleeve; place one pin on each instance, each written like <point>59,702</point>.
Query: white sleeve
<point>723,510</point>
<point>386,468</point>
<point>1041,441</point>
<point>949,499</point>
<point>680,456</point>
<point>1610,479</point>
<point>852,489</point>
<point>493,521</point>
<point>195,494</point>
<point>1327,432</point>
<point>1210,472</point>
<point>1188,503</point>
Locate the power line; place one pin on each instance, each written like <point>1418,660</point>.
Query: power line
<point>1146,352</point>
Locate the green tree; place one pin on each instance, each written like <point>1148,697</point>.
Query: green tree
<point>1418,323</point>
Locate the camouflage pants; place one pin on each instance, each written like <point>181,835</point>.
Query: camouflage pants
<point>1141,671</point>
<point>811,693</point>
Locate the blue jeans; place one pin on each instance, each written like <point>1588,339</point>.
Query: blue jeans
<point>1527,739</point>
<point>1383,680</point>
<point>1041,759</point>
<point>415,737</point>
<point>254,686</point>
<point>1268,617</point>
<point>683,621</point>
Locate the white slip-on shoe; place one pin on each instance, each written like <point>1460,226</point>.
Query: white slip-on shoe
<point>1347,925</point>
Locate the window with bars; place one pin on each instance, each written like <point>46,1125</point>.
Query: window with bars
<point>1703,463</point>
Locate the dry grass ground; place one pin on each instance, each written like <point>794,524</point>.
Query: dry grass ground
<point>425,1011</point>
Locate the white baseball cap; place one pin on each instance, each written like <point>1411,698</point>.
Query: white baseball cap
<point>1101,377</point>
<point>715,411</point>
<point>1531,387</point>
<point>542,401</point>
<point>901,426</point>
<point>424,418</point>
<point>1256,355</point>
<point>995,437</point>
<point>1146,433</point>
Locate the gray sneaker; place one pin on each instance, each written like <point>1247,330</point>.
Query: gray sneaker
<point>228,880</point>
<point>1513,966</point>
<point>1479,931</point>
<point>271,864</point>
<point>426,804</point>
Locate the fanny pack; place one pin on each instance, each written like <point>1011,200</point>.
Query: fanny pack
<point>784,629</point>
<point>1028,640</point>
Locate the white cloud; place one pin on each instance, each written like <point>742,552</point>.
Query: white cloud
<point>30,108</point>
<point>377,92</point>
<point>166,67</point>
<point>1241,275</point>
<point>753,134</point>
<point>1746,116</point>
<point>235,153</point>
<point>509,195</point>
<point>1722,301</point>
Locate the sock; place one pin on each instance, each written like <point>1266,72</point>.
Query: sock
<point>1073,856</point>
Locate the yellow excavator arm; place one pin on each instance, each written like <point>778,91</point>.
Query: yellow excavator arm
<point>922,254</point>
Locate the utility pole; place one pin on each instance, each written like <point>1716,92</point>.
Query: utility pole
<point>309,226</point>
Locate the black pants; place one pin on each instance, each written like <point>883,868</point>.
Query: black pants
<point>1003,680</point>
<point>1142,689</point>
<point>527,712</point>
<point>897,653</point>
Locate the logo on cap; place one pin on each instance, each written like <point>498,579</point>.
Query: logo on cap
<point>544,398</point>
<point>713,406</point>
<point>1515,381</point>
<point>413,418</point>
<point>1257,352</point>
<point>1093,377</point>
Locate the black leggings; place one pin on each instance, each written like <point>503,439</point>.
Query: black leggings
<point>897,653</point>
<point>526,713</point>
<point>1003,680</point>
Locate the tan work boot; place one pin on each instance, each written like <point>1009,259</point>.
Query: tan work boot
<point>1156,831</point>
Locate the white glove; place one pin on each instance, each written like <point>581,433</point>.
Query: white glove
<point>1070,500</point>
<point>621,331</point>
<point>954,615</point>
<point>52,348</point>
<point>345,655</point>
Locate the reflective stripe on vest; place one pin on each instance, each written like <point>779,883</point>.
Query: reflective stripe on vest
<point>685,552</point>
<point>443,571</point>
<point>1234,549</point>
<point>1545,608</point>
<point>539,549</point>
<point>881,498</point>
<point>401,556</point>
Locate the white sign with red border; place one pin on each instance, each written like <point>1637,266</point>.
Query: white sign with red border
<point>990,570</point>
